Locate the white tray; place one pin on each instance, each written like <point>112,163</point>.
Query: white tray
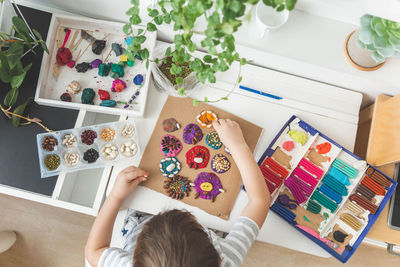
<point>49,88</point>
<point>80,148</point>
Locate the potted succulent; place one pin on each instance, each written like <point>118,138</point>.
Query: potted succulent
<point>378,39</point>
<point>176,68</point>
<point>14,44</point>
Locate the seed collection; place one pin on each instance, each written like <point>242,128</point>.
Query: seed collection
<point>87,147</point>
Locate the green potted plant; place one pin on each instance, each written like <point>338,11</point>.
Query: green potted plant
<point>13,46</point>
<point>177,69</point>
<point>377,40</point>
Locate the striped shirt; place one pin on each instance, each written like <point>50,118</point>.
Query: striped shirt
<point>232,249</point>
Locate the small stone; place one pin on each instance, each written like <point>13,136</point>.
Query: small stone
<point>88,95</point>
<point>104,95</point>
<point>108,103</point>
<point>118,49</point>
<point>98,46</point>
<point>108,150</point>
<point>95,63</point>
<point>118,85</point>
<point>138,80</point>
<point>74,87</point>
<point>66,97</point>
<point>83,67</point>
<point>117,71</point>
<point>104,69</point>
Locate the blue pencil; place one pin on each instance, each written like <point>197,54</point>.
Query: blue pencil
<point>259,92</point>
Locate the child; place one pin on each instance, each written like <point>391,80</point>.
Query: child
<point>174,238</point>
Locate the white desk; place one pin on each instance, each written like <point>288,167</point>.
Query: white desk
<point>339,122</point>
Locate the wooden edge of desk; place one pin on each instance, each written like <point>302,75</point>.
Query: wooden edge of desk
<point>380,231</point>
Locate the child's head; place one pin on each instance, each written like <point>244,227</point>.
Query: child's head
<point>174,238</point>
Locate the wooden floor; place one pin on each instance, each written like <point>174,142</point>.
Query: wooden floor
<point>54,237</point>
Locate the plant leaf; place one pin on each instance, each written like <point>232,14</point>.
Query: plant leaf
<point>27,67</point>
<point>11,97</point>
<point>181,91</point>
<point>151,27</point>
<point>290,4</point>
<point>195,102</point>
<point>365,36</point>
<point>14,54</point>
<point>20,111</point>
<point>21,27</point>
<point>17,80</point>
<point>5,74</point>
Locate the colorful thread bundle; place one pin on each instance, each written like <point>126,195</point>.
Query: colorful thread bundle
<point>374,186</point>
<point>295,189</point>
<point>364,203</point>
<point>274,166</point>
<point>351,221</point>
<point>283,212</point>
<point>335,185</point>
<point>313,206</point>
<point>272,177</point>
<point>340,176</point>
<point>306,177</point>
<point>345,168</point>
<point>354,209</point>
<point>378,177</point>
<point>327,191</point>
<point>365,192</point>
<point>324,201</point>
<point>311,168</point>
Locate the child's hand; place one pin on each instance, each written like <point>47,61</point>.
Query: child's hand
<point>126,182</point>
<point>230,134</point>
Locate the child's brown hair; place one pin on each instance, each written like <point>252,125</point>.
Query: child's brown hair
<point>174,239</point>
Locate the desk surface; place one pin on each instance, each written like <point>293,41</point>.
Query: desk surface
<point>271,116</point>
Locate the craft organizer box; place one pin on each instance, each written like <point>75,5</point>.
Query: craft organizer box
<point>323,190</point>
<point>80,148</point>
<point>50,88</point>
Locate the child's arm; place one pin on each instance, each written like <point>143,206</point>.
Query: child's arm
<point>100,235</point>
<point>259,197</point>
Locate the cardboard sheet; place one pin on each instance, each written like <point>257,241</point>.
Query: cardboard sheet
<point>184,112</point>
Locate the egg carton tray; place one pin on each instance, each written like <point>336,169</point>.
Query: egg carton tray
<point>80,148</point>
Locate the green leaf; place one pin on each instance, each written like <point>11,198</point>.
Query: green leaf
<point>380,29</point>
<point>224,98</point>
<point>20,111</point>
<point>192,47</point>
<point>37,34</point>
<point>280,8</point>
<point>167,18</point>
<point>240,79</point>
<point>181,91</point>
<point>227,28</point>
<point>147,63</point>
<point>27,67</point>
<point>132,11</point>
<point>365,36</point>
<point>243,61</point>
<point>207,59</point>
<point>151,27</point>
<point>135,19</point>
<point>145,53</point>
<point>211,78</point>
<point>158,20</point>
<point>14,54</point>
<point>156,61</point>
<point>139,39</point>
<point>290,4</point>
<point>179,80</point>
<point>20,27</point>
<point>153,13</point>
<point>127,29</point>
<point>195,102</point>
<point>268,2</point>
<point>11,97</point>
<point>168,52</point>
<point>5,74</point>
<point>140,31</point>
<point>377,57</point>
<point>17,80</point>
<point>44,46</point>
<point>205,99</point>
